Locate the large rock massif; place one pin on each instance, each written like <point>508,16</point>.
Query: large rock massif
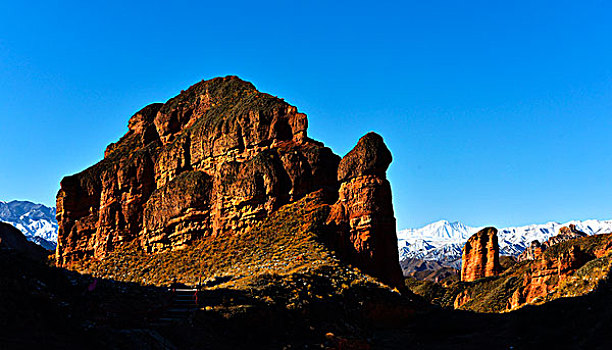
<point>480,256</point>
<point>216,160</point>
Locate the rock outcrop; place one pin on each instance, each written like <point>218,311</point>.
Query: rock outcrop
<point>480,256</point>
<point>533,252</point>
<point>216,160</point>
<point>362,219</point>
<point>547,273</point>
<point>213,160</point>
<point>566,233</point>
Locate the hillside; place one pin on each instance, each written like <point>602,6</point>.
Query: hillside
<point>55,306</point>
<point>281,270</point>
<point>36,221</point>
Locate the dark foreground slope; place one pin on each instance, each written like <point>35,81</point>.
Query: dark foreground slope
<point>330,305</point>
<point>276,286</point>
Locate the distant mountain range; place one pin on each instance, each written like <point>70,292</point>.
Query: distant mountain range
<point>442,240</point>
<point>36,221</point>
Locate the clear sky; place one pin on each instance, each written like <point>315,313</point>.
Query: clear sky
<point>496,112</point>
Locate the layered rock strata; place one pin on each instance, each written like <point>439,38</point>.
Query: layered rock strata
<point>216,160</point>
<point>480,256</point>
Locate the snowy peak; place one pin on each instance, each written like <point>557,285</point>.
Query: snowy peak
<point>439,230</point>
<point>36,221</point>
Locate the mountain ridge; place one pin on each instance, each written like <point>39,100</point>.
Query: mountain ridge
<point>443,240</point>
<point>36,221</point>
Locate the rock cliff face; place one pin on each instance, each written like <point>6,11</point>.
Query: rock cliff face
<point>547,273</point>
<point>216,160</point>
<point>480,256</point>
<point>362,219</point>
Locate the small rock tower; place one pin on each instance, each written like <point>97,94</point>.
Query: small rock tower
<point>480,256</point>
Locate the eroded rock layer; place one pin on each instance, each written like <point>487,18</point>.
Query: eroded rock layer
<point>480,256</point>
<point>216,160</point>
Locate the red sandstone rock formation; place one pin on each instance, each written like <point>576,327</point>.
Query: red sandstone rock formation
<point>216,160</point>
<point>213,160</point>
<point>533,252</point>
<point>569,261</point>
<point>480,256</point>
<point>545,274</point>
<point>362,219</point>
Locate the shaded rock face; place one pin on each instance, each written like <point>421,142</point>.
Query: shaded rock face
<point>571,260</point>
<point>362,219</point>
<point>13,239</point>
<point>216,160</point>
<point>480,256</point>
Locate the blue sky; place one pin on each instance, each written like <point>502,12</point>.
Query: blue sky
<point>497,113</point>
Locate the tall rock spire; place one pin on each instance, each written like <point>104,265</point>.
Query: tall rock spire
<point>362,220</point>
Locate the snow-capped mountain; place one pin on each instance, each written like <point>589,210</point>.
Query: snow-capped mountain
<point>36,221</point>
<point>443,240</point>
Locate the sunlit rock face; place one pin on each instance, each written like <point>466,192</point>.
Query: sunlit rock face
<point>480,256</point>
